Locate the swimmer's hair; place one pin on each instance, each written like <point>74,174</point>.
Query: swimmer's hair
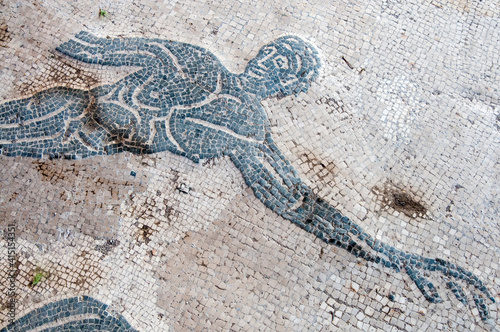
<point>303,54</point>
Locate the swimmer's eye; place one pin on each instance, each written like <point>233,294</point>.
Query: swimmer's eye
<point>281,62</point>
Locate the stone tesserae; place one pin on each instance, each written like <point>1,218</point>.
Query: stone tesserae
<point>183,100</point>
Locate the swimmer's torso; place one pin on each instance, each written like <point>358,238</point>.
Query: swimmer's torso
<point>200,108</point>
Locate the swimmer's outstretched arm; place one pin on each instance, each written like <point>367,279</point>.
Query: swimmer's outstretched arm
<point>140,52</point>
<point>186,59</point>
<point>268,173</point>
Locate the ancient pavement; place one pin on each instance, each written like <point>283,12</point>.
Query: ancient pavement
<point>225,166</point>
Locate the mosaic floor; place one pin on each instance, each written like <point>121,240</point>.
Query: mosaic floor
<point>284,166</point>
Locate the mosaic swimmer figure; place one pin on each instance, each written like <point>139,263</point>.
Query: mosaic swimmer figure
<point>182,99</point>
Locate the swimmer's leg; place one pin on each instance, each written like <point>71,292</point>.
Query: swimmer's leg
<point>47,123</point>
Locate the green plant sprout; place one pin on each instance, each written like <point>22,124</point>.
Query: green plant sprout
<point>103,13</point>
<point>37,278</point>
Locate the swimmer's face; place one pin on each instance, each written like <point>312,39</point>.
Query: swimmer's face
<point>286,70</point>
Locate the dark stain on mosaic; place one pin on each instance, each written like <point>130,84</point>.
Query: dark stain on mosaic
<point>403,202</point>
<point>400,200</point>
<point>54,171</point>
<point>5,35</point>
<point>59,72</point>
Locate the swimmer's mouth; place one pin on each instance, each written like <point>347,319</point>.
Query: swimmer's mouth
<point>259,71</point>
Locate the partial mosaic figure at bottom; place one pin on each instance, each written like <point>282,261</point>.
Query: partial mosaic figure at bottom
<point>81,313</point>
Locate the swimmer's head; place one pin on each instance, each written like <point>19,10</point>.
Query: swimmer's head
<point>284,67</point>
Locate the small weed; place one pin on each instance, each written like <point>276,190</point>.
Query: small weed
<point>37,278</point>
<point>103,13</point>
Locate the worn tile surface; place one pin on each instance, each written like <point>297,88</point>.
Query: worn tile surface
<point>208,166</point>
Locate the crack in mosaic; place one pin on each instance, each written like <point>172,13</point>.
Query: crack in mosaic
<point>183,100</point>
